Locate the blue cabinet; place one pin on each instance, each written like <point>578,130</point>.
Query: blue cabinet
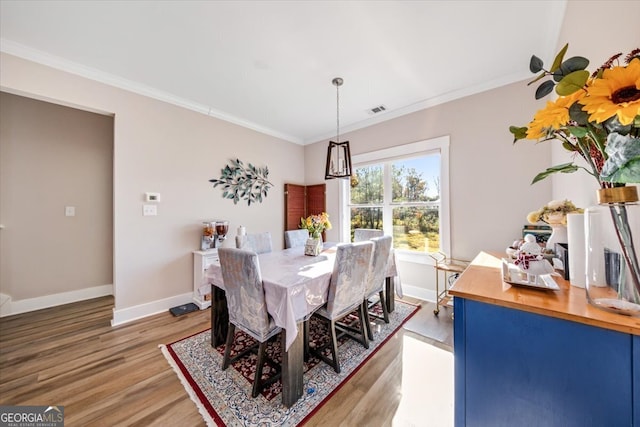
<point>516,368</point>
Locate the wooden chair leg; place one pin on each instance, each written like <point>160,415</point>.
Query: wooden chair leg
<point>363,314</point>
<point>231,330</point>
<point>367,320</point>
<point>257,380</point>
<point>384,307</point>
<point>334,346</point>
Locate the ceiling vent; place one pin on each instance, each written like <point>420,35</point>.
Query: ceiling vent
<point>378,109</point>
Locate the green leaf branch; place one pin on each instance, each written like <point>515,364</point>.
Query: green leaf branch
<point>248,182</point>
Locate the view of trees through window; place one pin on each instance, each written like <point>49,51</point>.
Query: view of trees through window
<point>408,191</point>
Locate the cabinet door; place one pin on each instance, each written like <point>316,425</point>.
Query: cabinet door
<point>210,259</point>
<point>521,368</point>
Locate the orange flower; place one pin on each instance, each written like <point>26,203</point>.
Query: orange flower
<point>617,93</point>
<point>554,116</point>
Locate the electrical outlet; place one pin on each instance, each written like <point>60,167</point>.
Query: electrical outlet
<point>149,210</point>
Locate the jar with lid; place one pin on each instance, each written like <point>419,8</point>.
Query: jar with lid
<point>208,235</point>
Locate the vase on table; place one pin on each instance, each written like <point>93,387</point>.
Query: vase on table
<point>558,235</point>
<point>313,246</point>
<point>611,230</point>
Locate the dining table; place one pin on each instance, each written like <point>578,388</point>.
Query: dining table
<point>295,285</point>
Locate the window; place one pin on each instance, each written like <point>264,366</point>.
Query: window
<point>403,191</point>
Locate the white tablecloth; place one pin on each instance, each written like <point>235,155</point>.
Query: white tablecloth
<point>295,285</point>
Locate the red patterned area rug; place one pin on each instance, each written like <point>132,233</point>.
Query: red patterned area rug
<point>224,397</point>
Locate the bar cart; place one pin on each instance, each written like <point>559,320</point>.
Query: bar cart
<point>451,268</point>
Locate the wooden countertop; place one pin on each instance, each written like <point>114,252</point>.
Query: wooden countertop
<point>482,281</point>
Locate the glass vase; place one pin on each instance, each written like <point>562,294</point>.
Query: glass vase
<point>611,230</point>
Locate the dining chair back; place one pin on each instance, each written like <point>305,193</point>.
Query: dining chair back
<point>247,308</point>
<point>375,279</point>
<point>362,234</point>
<point>350,271</point>
<point>379,264</point>
<point>259,243</point>
<point>346,292</point>
<point>295,238</point>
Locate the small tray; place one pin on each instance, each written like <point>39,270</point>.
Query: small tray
<point>512,275</point>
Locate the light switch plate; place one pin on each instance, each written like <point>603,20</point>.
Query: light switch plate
<point>69,211</point>
<point>149,210</point>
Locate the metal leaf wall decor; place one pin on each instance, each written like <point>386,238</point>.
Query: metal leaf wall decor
<point>243,182</point>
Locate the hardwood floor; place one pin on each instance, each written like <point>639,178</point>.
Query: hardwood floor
<point>107,376</point>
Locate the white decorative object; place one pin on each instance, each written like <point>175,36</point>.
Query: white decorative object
<point>577,254</point>
<point>313,247</point>
<point>242,231</point>
<point>531,261</point>
<point>558,235</point>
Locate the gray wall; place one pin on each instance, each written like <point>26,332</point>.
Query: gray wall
<point>52,157</point>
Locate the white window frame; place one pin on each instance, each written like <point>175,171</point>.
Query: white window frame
<point>425,147</point>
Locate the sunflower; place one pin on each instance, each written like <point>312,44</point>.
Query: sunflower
<point>617,93</point>
<point>554,116</point>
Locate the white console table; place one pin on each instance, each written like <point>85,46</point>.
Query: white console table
<point>201,289</point>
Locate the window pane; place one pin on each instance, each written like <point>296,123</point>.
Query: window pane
<point>416,228</point>
<point>365,218</point>
<point>416,180</point>
<point>369,188</point>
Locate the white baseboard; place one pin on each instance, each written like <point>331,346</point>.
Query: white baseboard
<point>418,292</point>
<point>9,307</point>
<point>136,312</point>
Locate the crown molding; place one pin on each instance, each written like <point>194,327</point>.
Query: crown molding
<point>16,49</point>
<point>423,105</point>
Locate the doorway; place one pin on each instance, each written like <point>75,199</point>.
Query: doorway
<point>56,204</point>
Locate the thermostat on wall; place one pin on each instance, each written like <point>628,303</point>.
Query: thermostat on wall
<point>152,197</point>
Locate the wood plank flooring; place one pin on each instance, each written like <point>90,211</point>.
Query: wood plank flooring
<point>110,376</point>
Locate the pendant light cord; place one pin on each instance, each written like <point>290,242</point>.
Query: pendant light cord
<point>338,112</point>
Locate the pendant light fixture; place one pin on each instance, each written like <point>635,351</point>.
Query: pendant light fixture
<point>338,154</point>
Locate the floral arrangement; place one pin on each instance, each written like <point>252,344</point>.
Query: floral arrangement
<point>554,212</point>
<point>596,116</point>
<point>316,224</point>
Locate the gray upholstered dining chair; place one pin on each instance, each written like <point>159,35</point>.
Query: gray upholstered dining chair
<point>247,309</point>
<point>295,238</point>
<point>362,234</point>
<point>375,280</point>
<point>346,291</point>
<point>259,243</point>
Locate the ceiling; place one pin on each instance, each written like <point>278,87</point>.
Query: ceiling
<point>268,65</point>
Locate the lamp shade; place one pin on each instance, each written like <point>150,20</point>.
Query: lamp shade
<point>338,160</point>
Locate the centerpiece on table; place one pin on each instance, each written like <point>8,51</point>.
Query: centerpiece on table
<point>315,224</point>
<point>596,117</point>
<point>554,213</point>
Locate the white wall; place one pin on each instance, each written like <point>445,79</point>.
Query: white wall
<point>162,148</point>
